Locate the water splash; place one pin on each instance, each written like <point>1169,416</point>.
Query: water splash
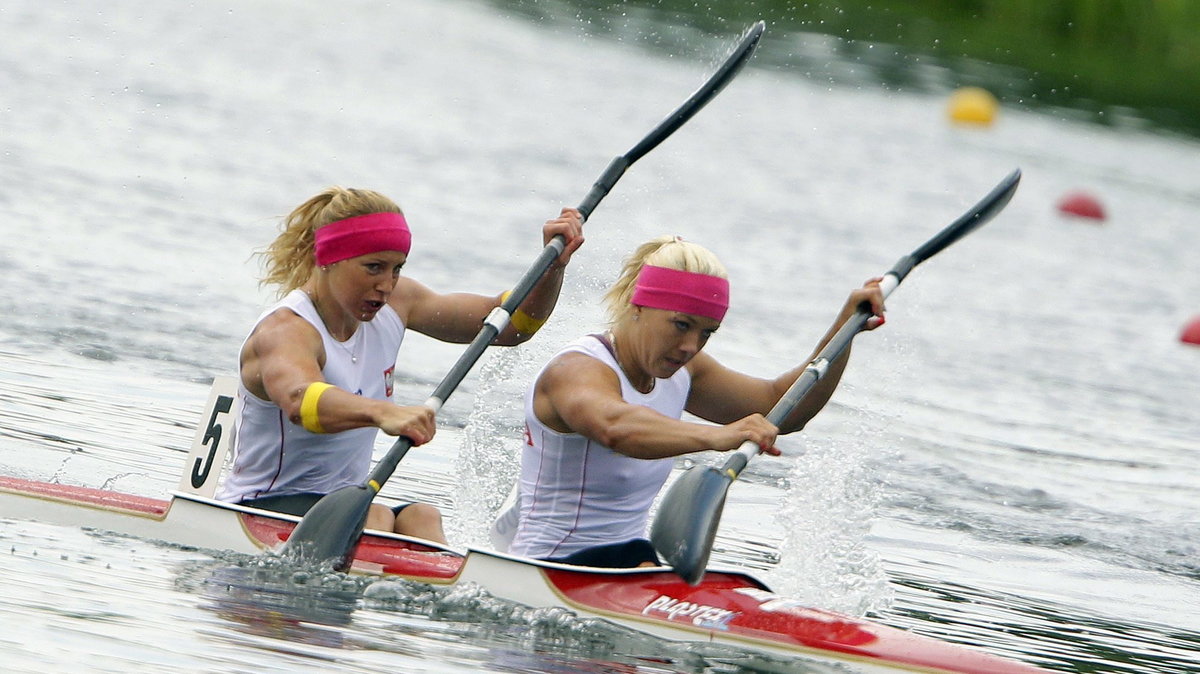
<point>489,455</point>
<point>825,518</point>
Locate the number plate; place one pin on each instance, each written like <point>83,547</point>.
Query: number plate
<point>211,443</point>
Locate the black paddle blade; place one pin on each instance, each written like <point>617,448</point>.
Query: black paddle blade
<point>329,532</point>
<point>716,82</point>
<point>980,214</point>
<point>712,86</point>
<point>687,520</point>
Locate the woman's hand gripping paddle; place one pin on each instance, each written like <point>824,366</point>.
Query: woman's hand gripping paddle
<point>331,529</point>
<point>687,519</point>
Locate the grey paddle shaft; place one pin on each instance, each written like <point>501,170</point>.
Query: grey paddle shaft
<point>688,515</point>
<point>493,325</point>
<point>984,211</point>
<point>500,316</point>
<point>812,374</point>
<point>331,529</point>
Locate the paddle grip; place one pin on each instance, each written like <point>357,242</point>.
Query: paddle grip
<point>819,365</point>
<point>738,461</point>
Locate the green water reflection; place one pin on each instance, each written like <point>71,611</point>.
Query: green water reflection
<point>1109,61</point>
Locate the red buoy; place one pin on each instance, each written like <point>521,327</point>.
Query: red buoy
<point>1081,205</point>
<point>1191,332</point>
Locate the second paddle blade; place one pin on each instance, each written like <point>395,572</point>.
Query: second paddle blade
<point>687,519</point>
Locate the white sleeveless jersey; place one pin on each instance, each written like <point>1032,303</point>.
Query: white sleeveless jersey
<point>275,457</point>
<point>575,493</point>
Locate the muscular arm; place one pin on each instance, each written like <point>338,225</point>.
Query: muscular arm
<point>720,394</point>
<point>579,394</point>
<point>284,355</point>
<point>458,317</point>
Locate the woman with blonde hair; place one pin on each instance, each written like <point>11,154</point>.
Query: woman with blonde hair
<point>604,416</point>
<point>317,368</point>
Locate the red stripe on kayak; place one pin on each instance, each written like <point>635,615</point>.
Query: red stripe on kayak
<point>375,554</point>
<point>100,498</point>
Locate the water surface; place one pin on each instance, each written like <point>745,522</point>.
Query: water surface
<point>1010,463</point>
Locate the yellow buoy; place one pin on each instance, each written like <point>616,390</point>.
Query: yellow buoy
<point>973,105</point>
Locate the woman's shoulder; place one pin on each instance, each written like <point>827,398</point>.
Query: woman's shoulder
<point>283,320</point>
<point>572,351</point>
<point>579,361</point>
<point>575,371</point>
<point>592,346</point>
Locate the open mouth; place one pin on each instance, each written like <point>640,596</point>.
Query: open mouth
<point>371,307</point>
<point>673,364</point>
<point>678,362</point>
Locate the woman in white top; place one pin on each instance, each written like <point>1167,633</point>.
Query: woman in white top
<point>603,417</point>
<point>317,368</point>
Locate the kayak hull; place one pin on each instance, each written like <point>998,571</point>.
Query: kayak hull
<point>727,607</point>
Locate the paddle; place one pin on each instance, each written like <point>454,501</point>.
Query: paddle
<point>687,519</point>
<point>331,529</point>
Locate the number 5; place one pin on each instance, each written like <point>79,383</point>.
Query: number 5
<point>211,442</point>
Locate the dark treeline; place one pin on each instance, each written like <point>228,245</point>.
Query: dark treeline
<point>1138,58</point>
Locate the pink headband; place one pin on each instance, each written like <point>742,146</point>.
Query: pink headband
<point>360,235</point>
<point>683,291</point>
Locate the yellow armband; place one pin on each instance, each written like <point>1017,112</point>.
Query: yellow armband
<point>523,322</point>
<point>308,406</point>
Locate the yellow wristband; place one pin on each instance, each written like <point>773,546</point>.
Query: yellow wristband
<point>308,406</point>
<point>523,322</point>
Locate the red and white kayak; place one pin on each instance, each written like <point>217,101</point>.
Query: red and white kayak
<point>727,606</point>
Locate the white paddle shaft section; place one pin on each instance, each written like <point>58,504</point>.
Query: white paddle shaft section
<point>889,283</point>
<point>498,319</point>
